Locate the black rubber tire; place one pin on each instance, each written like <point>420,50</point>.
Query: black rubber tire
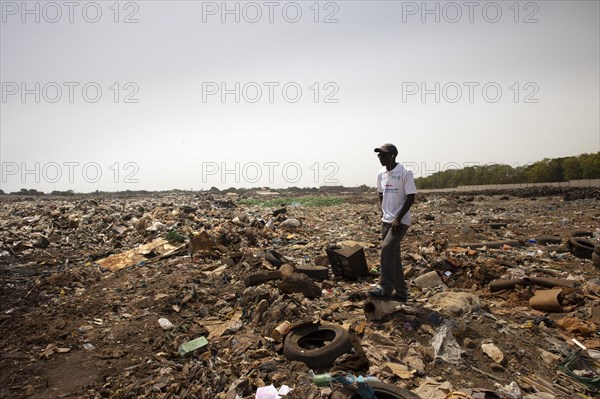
<point>597,249</point>
<point>496,226</point>
<point>274,257</point>
<point>338,343</point>
<point>314,272</point>
<point>279,211</point>
<point>581,248</point>
<point>543,240</point>
<point>596,259</point>
<point>582,233</point>
<point>382,391</point>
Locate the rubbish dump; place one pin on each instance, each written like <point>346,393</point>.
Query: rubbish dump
<point>200,295</point>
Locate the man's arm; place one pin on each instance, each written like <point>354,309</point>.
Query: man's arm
<point>380,193</point>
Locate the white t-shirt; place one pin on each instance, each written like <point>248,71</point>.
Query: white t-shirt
<point>395,185</point>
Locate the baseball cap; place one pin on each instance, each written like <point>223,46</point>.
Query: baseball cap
<point>387,148</point>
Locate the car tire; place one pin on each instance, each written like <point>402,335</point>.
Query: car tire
<point>581,248</point>
<point>543,240</point>
<point>314,272</point>
<point>582,233</point>
<point>334,339</point>
<point>274,257</point>
<point>496,226</point>
<point>382,391</point>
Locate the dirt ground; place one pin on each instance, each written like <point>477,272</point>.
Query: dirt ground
<point>72,329</point>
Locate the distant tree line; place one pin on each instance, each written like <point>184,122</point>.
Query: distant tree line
<point>584,166</point>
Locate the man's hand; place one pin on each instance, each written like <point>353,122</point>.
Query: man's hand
<point>396,226</point>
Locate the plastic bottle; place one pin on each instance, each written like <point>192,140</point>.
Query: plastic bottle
<point>320,380</point>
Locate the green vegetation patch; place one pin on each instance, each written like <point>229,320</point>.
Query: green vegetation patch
<point>293,201</point>
<point>175,237</point>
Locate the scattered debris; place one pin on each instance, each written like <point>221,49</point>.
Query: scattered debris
<point>547,300</point>
<point>165,324</point>
<point>86,278</point>
<point>191,346</point>
<point>445,346</point>
<point>160,247</point>
<point>493,352</point>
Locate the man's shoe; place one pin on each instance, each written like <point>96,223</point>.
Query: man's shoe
<point>399,298</point>
<point>379,293</point>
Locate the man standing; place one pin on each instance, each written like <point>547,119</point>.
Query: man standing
<point>396,188</point>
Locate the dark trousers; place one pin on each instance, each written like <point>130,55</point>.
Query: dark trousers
<point>392,274</point>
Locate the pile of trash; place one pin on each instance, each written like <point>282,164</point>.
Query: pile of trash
<point>200,296</point>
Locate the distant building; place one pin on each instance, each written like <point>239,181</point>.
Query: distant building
<point>266,193</point>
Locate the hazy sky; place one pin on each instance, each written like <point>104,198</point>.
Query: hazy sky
<point>188,94</point>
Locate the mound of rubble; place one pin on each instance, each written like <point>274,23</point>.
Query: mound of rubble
<point>181,296</point>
